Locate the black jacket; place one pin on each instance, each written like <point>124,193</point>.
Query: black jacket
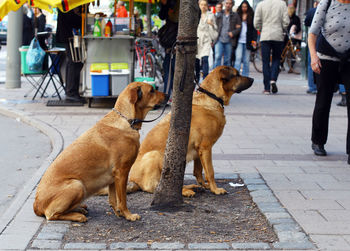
<point>66,22</point>
<point>234,20</point>
<point>309,16</point>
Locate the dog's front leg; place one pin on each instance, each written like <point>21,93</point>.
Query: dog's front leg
<point>206,161</point>
<point>112,198</point>
<point>120,183</point>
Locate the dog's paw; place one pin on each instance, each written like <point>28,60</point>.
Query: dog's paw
<point>80,218</point>
<point>219,191</point>
<point>133,217</point>
<point>188,193</point>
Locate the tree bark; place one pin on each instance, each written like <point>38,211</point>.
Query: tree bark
<point>169,190</point>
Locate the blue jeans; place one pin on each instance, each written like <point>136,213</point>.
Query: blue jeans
<point>242,57</point>
<point>166,64</point>
<point>310,75</point>
<point>203,64</point>
<point>271,72</point>
<point>222,49</point>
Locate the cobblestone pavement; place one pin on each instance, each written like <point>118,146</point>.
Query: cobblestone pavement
<point>266,142</point>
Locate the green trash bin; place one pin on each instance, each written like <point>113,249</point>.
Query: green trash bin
<point>24,66</point>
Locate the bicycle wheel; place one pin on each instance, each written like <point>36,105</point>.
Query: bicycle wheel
<point>293,57</point>
<point>149,69</point>
<point>256,59</point>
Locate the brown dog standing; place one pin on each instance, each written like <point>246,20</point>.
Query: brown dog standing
<point>100,157</point>
<point>207,124</point>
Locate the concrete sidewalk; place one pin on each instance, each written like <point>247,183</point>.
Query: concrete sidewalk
<point>265,137</point>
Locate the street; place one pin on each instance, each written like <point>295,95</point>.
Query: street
<point>266,142</point>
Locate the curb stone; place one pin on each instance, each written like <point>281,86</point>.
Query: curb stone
<point>17,213</point>
<point>290,234</point>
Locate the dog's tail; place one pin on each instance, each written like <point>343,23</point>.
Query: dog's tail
<point>132,187</point>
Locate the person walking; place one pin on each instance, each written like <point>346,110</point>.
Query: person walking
<point>229,27</point>
<point>39,24</point>
<point>169,11</point>
<point>312,89</point>
<point>295,32</point>
<point>207,34</point>
<point>28,33</point>
<point>66,22</point>
<point>247,38</point>
<point>330,62</point>
<point>271,18</point>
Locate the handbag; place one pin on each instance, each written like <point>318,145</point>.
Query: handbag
<point>35,56</point>
<point>167,34</point>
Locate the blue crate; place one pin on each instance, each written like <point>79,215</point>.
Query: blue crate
<point>100,84</point>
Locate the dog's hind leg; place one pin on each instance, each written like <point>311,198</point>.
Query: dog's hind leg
<point>65,201</point>
<point>198,173</point>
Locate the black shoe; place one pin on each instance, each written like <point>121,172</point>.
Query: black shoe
<point>274,87</point>
<point>318,150</point>
<point>343,100</point>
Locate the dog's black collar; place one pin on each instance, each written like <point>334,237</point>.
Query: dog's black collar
<point>132,122</point>
<point>212,95</point>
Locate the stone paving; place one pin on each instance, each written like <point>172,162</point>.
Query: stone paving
<point>266,142</point>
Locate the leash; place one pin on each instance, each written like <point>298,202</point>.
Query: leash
<point>132,122</point>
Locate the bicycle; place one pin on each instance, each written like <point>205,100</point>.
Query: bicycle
<point>150,59</point>
<point>291,53</point>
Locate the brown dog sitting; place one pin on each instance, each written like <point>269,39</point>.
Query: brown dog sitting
<point>100,157</point>
<point>207,124</point>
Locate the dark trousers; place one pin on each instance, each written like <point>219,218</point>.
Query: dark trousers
<point>72,74</point>
<point>166,66</point>
<point>203,64</point>
<point>271,71</point>
<point>326,82</point>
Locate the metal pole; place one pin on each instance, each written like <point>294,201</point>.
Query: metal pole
<point>14,41</point>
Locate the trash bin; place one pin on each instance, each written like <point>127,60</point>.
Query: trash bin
<point>119,77</point>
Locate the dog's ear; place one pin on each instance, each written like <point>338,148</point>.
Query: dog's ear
<point>226,74</point>
<point>135,94</point>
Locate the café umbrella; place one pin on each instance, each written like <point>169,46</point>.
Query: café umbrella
<point>64,5</point>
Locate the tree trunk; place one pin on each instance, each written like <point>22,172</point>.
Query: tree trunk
<point>149,18</point>
<point>169,190</point>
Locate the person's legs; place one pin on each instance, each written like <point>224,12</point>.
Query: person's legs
<point>310,76</point>
<point>218,53</point>
<point>239,56</point>
<point>277,48</point>
<point>166,64</point>
<point>246,61</point>
<point>345,78</point>
<point>72,75</point>
<point>227,53</point>
<point>265,55</point>
<point>325,86</point>
<point>233,56</point>
<point>205,66</point>
<point>170,87</point>
<point>198,69</point>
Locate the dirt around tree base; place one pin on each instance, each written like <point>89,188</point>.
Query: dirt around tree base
<point>233,217</point>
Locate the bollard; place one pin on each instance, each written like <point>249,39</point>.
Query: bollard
<point>14,41</point>
<point>304,51</point>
